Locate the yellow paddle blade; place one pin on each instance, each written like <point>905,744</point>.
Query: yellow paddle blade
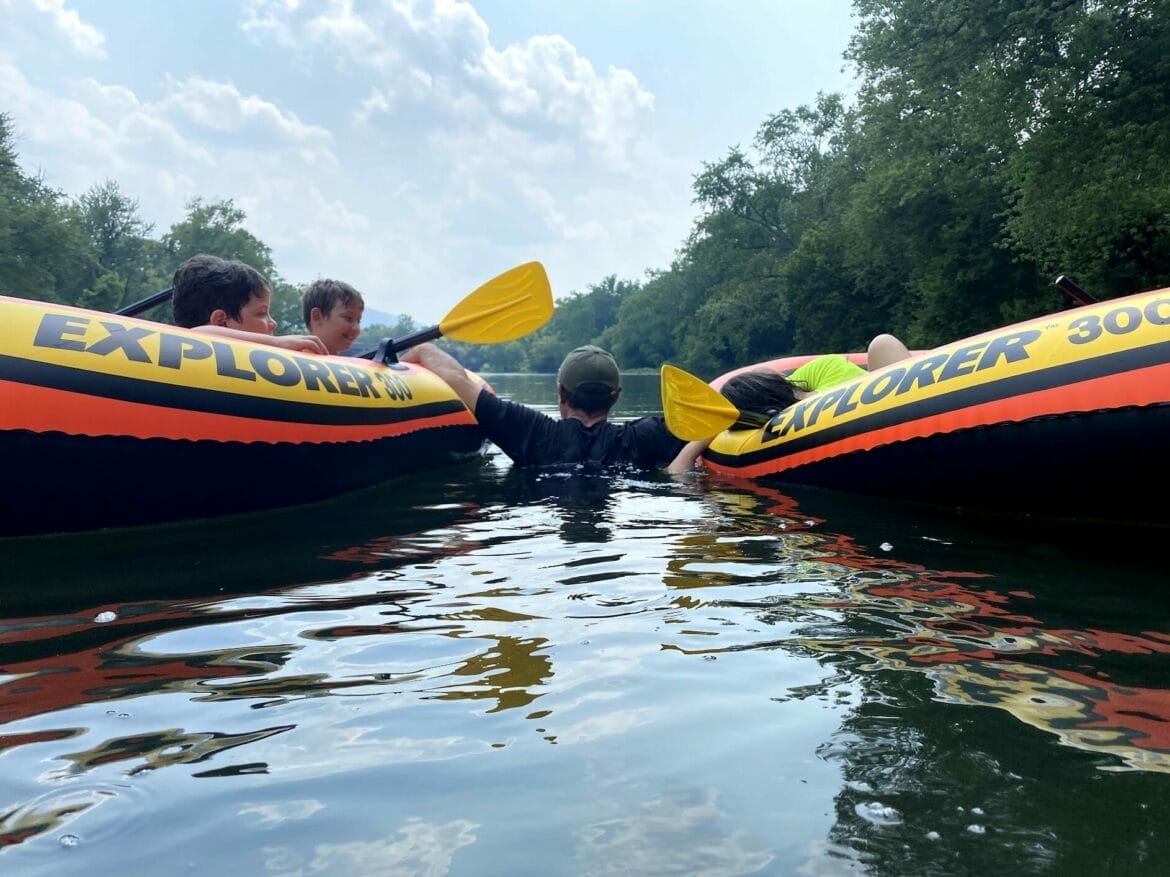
<point>694,410</point>
<point>507,307</point>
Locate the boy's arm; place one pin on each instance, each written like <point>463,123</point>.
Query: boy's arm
<point>448,368</point>
<point>306,343</point>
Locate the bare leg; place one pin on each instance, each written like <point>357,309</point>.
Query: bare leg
<point>885,349</point>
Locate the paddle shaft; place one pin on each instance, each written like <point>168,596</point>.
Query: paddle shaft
<point>386,351</point>
<point>140,307</point>
<point>1074,291</point>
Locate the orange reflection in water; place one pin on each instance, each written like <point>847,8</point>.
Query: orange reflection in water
<point>976,644</point>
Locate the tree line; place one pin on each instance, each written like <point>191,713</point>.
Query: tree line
<point>988,148</point>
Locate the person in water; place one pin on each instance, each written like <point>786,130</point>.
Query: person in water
<point>766,392</point>
<point>333,312</point>
<point>231,299</point>
<point>588,387</point>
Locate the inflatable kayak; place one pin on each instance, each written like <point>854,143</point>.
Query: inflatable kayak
<point>112,421</point>
<point>1066,415</point>
<point>109,421</point>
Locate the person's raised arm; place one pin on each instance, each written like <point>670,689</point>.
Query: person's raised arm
<point>446,367</point>
<point>688,457</point>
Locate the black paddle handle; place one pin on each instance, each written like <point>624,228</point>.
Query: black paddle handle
<point>1074,291</point>
<point>140,307</point>
<point>386,351</point>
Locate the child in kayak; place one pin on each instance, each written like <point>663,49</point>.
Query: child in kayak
<point>233,300</point>
<point>333,312</point>
<point>765,391</point>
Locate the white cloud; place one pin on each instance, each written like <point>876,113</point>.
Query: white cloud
<point>378,102</point>
<point>59,123</point>
<point>166,152</point>
<point>509,139</point>
<point>390,143</point>
<point>439,52</point>
<point>220,107</point>
<point>546,78</point>
<point>39,19</point>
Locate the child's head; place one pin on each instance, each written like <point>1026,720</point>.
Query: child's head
<point>212,291</point>
<point>761,390</point>
<point>333,312</point>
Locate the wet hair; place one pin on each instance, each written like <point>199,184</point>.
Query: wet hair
<point>593,398</point>
<point>760,390</point>
<point>327,294</point>
<point>204,284</point>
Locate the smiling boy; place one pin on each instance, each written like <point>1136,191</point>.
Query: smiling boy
<point>333,312</point>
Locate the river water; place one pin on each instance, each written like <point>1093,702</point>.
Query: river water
<point>482,672</point>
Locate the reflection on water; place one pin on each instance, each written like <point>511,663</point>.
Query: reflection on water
<point>484,671</point>
<point>978,646</point>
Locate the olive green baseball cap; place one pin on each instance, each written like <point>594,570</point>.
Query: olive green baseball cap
<point>589,365</point>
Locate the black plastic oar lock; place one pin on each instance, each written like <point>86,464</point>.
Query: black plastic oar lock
<point>385,352</point>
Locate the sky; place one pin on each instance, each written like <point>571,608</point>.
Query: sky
<point>415,148</point>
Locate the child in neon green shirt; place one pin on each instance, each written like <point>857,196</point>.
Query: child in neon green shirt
<point>824,372</point>
<point>767,391</point>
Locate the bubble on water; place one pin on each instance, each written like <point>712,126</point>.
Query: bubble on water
<point>70,840</point>
<point>978,811</point>
<point>933,835</point>
<point>976,829</point>
<point>105,617</point>
<point>878,813</point>
<point>886,546</point>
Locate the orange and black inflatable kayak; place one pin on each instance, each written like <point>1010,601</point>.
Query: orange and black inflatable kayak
<point>1067,416</point>
<point>115,421</point>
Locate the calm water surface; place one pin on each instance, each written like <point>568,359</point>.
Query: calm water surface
<point>479,672</point>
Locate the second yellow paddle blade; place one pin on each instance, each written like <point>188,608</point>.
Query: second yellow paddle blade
<point>693,409</point>
<point>507,307</point>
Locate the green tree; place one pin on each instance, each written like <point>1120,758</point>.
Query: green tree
<point>121,243</point>
<point>43,251</point>
<point>644,334</point>
<point>372,334</point>
<point>286,307</point>
<point>581,317</point>
<point>105,294</point>
<point>217,228</point>
<point>725,300</point>
<point>1090,185</point>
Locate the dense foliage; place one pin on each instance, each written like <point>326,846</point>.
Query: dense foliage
<point>989,147</point>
